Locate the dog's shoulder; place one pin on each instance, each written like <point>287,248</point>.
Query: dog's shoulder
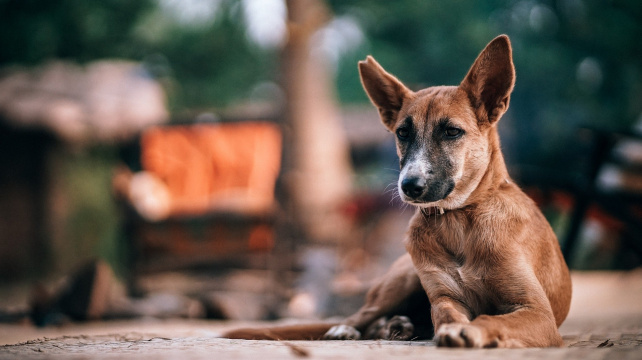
<point>507,203</point>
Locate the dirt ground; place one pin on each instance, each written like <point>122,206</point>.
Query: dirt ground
<point>605,322</point>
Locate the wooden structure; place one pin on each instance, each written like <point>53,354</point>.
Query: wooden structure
<point>204,193</point>
<point>44,112</point>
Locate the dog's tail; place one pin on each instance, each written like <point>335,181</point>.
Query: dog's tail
<point>286,332</point>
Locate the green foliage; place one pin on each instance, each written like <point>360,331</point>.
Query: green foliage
<point>578,62</point>
<point>33,31</point>
<point>91,220</point>
<point>213,65</point>
<point>204,65</point>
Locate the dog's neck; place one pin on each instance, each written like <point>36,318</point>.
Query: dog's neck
<point>495,175</point>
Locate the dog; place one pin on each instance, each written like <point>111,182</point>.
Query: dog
<point>483,267</point>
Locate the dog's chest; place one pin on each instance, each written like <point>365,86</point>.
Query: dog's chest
<point>464,282</point>
<point>450,264</point>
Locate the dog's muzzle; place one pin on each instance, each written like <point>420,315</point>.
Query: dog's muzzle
<point>418,190</point>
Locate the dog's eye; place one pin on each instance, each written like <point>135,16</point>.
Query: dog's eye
<point>453,132</point>
<point>402,133</point>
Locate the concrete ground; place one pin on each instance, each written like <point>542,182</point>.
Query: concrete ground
<point>605,322</point>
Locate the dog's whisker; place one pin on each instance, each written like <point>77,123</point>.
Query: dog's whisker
<point>392,190</point>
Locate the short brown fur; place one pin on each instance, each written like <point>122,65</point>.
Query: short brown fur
<point>490,265</point>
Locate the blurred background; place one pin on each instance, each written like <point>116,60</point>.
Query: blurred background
<point>223,152</point>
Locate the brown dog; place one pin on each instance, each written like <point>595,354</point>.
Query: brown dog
<point>478,247</point>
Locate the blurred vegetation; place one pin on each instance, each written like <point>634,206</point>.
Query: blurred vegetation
<point>578,62</point>
<point>204,64</point>
<point>92,217</point>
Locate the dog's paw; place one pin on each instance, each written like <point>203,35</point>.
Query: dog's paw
<point>342,332</point>
<point>395,328</point>
<point>460,335</point>
<point>399,328</point>
<point>376,330</point>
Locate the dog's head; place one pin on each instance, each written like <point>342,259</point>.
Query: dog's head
<point>444,133</point>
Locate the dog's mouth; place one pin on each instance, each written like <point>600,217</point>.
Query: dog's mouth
<point>417,191</point>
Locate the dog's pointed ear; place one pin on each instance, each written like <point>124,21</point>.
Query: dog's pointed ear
<point>385,91</point>
<point>490,80</point>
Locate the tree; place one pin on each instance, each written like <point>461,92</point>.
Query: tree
<point>578,62</point>
<point>34,31</point>
<point>318,173</point>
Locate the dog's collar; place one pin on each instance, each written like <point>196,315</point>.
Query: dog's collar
<point>433,210</point>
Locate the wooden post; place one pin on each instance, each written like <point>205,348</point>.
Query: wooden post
<point>318,170</point>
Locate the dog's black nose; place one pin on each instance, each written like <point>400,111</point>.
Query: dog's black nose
<point>413,187</point>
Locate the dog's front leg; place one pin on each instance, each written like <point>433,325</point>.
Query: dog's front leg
<point>528,321</point>
<point>523,328</point>
<point>445,311</point>
<point>454,328</point>
<point>452,324</point>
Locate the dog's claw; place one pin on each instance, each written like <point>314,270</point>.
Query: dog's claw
<point>396,328</point>
<point>459,335</point>
<point>399,328</point>
<point>342,332</point>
